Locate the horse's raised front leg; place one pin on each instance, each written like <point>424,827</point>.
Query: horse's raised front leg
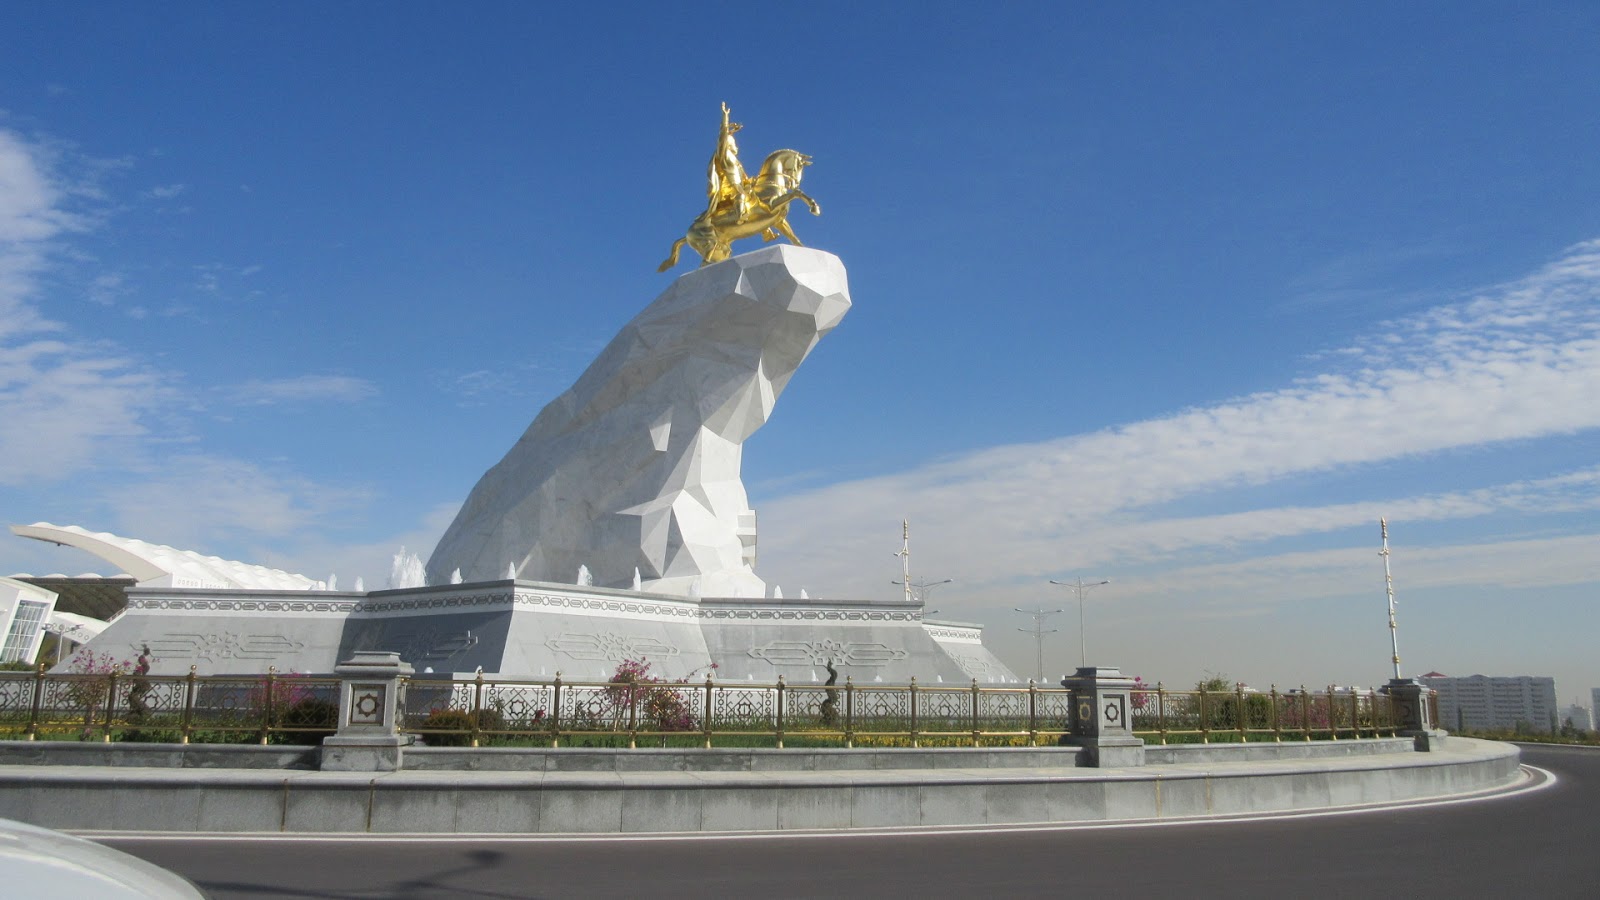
<point>782,201</point>
<point>811,204</point>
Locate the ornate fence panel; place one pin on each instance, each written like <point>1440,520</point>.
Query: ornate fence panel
<point>944,716</point>
<point>744,710</point>
<point>881,715</point>
<point>1008,713</point>
<point>1054,713</point>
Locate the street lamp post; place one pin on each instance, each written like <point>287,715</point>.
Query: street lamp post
<point>1083,646</point>
<point>1038,631</point>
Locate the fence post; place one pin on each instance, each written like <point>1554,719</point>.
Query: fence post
<point>1242,713</point>
<point>780,712</point>
<point>188,705</point>
<point>1413,710</point>
<point>633,712</point>
<point>706,712</point>
<point>38,702</point>
<point>1277,733</point>
<point>849,711</point>
<point>1305,713</point>
<point>1033,714</point>
<point>975,698</point>
<point>555,713</point>
<point>1161,711</point>
<point>476,716</point>
<point>371,697</point>
<point>1333,716</point>
<point>1205,718</point>
<point>266,705</point>
<point>913,690</point>
<point>1101,702</point>
<point>111,705</point>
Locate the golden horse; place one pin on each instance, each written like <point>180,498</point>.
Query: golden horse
<point>770,193</point>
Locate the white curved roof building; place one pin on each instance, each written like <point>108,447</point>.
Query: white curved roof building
<point>24,608</point>
<point>157,565</point>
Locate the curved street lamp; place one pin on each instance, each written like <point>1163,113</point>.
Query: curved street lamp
<point>920,589</point>
<point>1038,631</point>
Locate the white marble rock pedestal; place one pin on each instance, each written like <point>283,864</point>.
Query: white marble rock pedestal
<point>636,467</point>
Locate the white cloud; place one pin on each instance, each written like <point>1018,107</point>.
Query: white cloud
<point>1255,585</point>
<point>30,217</point>
<point>197,500</point>
<point>304,389</point>
<point>65,405</point>
<point>30,209</point>
<point>221,280</point>
<point>1521,361</point>
<point>78,414</point>
<point>63,409</point>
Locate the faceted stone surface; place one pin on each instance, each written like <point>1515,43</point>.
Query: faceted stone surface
<point>637,465</point>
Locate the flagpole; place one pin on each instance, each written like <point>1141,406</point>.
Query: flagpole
<point>1388,584</point>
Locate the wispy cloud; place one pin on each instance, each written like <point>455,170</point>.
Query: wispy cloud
<point>1516,362</point>
<point>31,217</point>
<point>84,413</point>
<point>197,500</point>
<point>164,191</point>
<point>515,378</point>
<point>63,411</point>
<point>65,404</point>
<point>303,389</point>
<point>224,281</point>
<point>1268,580</point>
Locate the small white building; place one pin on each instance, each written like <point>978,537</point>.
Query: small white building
<point>1579,715</point>
<point>24,609</point>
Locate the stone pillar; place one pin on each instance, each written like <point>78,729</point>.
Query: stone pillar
<point>370,700</point>
<point>1102,700</point>
<point>1414,713</point>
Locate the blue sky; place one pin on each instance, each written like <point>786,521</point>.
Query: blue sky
<point>1184,296</point>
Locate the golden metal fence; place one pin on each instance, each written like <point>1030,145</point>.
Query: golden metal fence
<point>561,713</point>
<point>278,708</point>
<point>709,713</point>
<point>1163,716</point>
<point>117,705</point>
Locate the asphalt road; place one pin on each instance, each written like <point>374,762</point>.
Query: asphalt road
<point>1532,844</point>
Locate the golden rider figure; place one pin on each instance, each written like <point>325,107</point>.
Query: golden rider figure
<point>725,178</point>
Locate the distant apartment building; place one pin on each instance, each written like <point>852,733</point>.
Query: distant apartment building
<point>1495,702</point>
<point>1579,715</point>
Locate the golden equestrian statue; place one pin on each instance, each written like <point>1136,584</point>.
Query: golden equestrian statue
<point>738,206</point>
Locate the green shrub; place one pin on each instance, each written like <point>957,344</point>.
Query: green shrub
<point>454,726</point>
<point>307,721</point>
